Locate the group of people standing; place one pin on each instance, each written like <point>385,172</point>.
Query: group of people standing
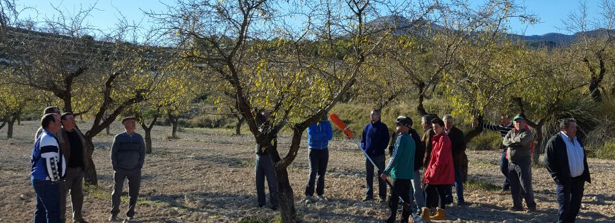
<point>59,158</point>
<point>440,153</point>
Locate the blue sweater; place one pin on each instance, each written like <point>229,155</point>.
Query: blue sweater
<point>375,138</point>
<point>319,135</point>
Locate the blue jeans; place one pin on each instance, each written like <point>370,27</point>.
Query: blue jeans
<point>504,169</point>
<point>458,186</point>
<point>369,177</point>
<point>569,197</point>
<point>416,192</point>
<point>47,201</point>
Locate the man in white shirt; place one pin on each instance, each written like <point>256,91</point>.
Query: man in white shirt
<point>566,160</point>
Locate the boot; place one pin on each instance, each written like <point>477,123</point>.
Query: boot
<point>425,213</point>
<point>440,214</point>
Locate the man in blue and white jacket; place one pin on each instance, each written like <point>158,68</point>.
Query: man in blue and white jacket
<point>48,167</point>
<point>319,135</point>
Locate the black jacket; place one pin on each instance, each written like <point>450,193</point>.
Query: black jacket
<point>556,160</point>
<point>428,134</point>
<point>458,146</point>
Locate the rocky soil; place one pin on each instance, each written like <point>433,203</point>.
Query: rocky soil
<point>208,176</point>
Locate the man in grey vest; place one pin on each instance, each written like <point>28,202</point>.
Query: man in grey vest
<point>127,158</point>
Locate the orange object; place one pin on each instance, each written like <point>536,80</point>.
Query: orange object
<point>341,125</point>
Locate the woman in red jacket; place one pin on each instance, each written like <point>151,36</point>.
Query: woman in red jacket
<point>440,172</point>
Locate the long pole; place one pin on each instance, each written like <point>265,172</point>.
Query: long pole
<point>342,126</point>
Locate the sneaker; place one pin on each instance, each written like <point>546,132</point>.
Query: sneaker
<point>275,207</point>
<point>128,219</point>
<point>80,221</point>
<point>368,198</point>
<point>322,197</point>
<point>113,218</point>
<point>531,209</point>
<point>308,199</point>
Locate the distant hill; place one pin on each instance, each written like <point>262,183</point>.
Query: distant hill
<point>401,25</point>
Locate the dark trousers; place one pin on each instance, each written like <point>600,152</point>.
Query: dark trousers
<point>401,187</point>
<point>459,185</point>
<point>369,177</point>
<point>435,194</point>
<point>134,182</point>
<point>504,169</point>
<point>47,201</point>
<point>73,183</point>
<point>569,197</point>
<point>520,177</point>
<point>265,168</point>
<point>319,158</point>
<point>458,188</point>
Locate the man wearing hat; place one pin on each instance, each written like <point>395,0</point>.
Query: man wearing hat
<point>401,168</point>
<point>519,142</point>
<point>127,158</point>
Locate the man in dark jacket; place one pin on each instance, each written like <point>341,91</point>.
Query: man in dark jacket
<point>428,134</point>
<point>319,135</point>
<point>460,159</point>
<point>75,151</point>
<point>566,160</point>
<point>264,165</point>
<point>374,142</point>
<point>127,158</point>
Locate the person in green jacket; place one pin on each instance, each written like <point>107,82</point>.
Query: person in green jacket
<point>401,169</point>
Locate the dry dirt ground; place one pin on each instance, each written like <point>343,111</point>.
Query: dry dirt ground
<point>208,176</point>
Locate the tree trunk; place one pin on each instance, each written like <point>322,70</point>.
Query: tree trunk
<point>538,145</point>
<point>594,89</point>
<point>3,123</point>
<point>148,132</point>
<point>420,108</point>
<point>148,141</point>
<point>89,174</point>
<point>9,130</point>
<point>108,130</point>
<point>174,122</point>
<point>68,105</point>
<point>240,121</point>
<point>286,196</point>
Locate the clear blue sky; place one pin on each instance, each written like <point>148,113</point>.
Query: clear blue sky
<point>550,12</point>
